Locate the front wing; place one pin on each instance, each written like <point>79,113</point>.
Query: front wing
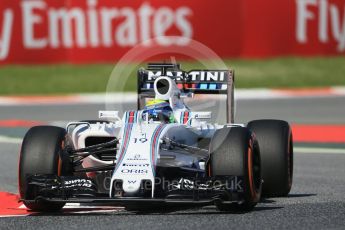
<point>185,191</point>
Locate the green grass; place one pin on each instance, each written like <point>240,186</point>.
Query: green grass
<point>272,73</point>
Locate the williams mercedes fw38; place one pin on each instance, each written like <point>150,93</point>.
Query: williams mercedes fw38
<point>162,154</point>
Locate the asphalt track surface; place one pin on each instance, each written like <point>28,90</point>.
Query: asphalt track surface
<point>319,110</point>
<point>317,199</point>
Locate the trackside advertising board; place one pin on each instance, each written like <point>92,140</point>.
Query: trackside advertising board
<point>89,31</point>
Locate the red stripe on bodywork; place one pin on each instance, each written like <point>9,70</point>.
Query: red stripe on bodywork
<point>131,117</point>
<point>190,86</point>
<point>185,117</point>
<point>319,133</point>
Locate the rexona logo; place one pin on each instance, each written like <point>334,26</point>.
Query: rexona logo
<point>94,25</point>
<point>136,157</point>
<point>329,17</point>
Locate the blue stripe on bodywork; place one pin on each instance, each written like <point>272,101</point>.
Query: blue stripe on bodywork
<point>203,86</point>
<point>135,117</point>
<point>124,146</point>
<point>154,147</point>
<point>213,86</point>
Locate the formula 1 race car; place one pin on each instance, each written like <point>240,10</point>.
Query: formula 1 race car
<point>162,154</point>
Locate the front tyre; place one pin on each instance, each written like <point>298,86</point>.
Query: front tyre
<point>235,152</point>
<point>41,153</point>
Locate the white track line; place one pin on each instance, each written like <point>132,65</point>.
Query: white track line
<point>319,150</point>
<point>14,215</point>
<point>10,140</point>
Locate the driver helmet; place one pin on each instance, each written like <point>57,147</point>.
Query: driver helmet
<point>158,110</point>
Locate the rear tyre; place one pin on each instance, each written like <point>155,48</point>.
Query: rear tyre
<point>235,152</point>
<point>41,153</point>
<point>276,148</point>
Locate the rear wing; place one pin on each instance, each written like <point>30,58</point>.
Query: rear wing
<point>194,81</point>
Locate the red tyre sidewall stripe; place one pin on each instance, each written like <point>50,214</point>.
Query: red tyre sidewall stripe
<point>250,171</point>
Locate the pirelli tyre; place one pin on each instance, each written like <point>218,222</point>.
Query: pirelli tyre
<point>41,153</point>
<point>235,152</point>
<point>276,148</point>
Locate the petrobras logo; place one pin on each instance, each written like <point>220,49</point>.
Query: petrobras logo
<point>135,165</point>
<point>193,76</point>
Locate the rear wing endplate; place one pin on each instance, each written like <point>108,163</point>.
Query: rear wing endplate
<point>194,81</point>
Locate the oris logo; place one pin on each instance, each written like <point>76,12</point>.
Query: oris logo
<point>134,171</point>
